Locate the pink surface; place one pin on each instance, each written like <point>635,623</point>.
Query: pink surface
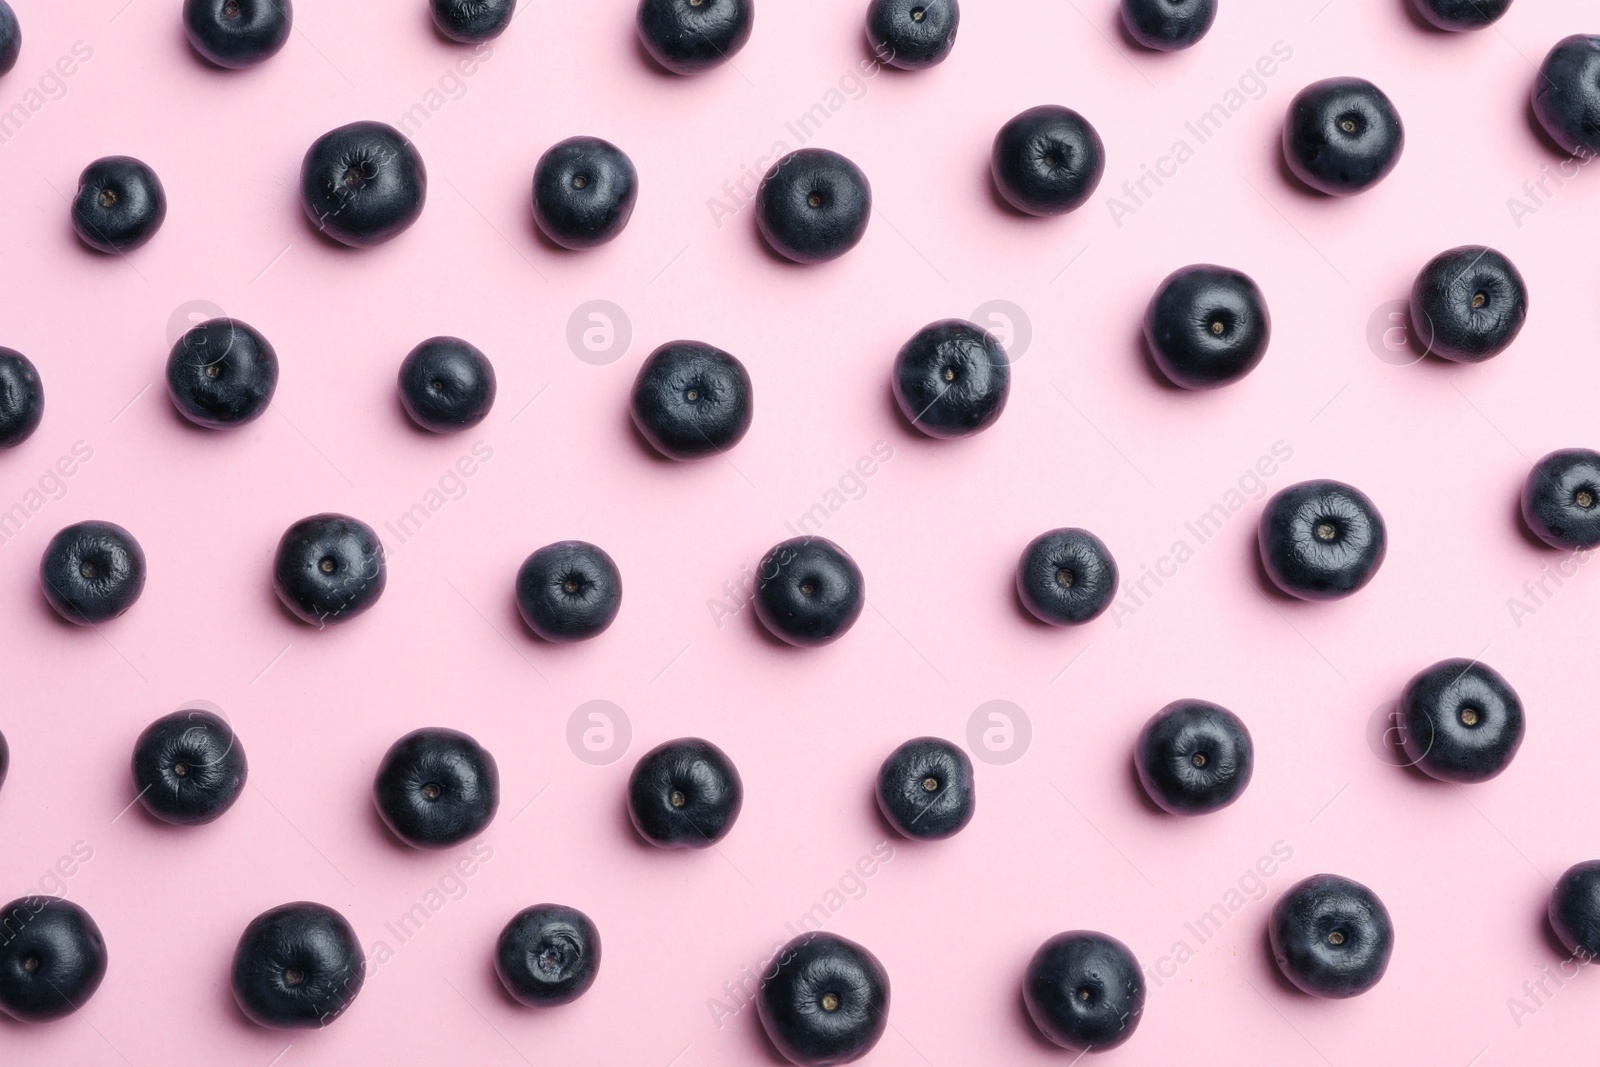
<point>1062,838</point>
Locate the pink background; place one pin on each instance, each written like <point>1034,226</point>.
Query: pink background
<point>1062,838</point>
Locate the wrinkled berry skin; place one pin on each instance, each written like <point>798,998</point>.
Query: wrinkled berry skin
<point>1461,15</point>
<point>363,184</point>
<point>1066,577</point>
<point>952,379</point>
<point>827,1002</point>
<point>1047,161</point>
<point>1343,136</point>
<point>297,967</point>
<point>21,398</point>
<point>548,955</point>
<point>67,952</point>
<point>1332,937</point>
<point>1566,95</point>
<point>925,789</point>
<point>447,385</point>
<point>1321,540</point>
<point>912,34</point>
<point>329,568</point>
<point>1207,326</point>
<point>690,36</point>
<point>569,591</point>
<point>236,34</point>
<point>1561,499</point>
<point>1471,302</point>
<point>1575,910</point>
<point>189,768</point>
<point>1194,757</point>
<point>692,400</point>
<point>1463,721</point>
<point>813,206</point>
<point>437,788</point>
<point>92,572</point>
<point>472,21</point>
<point>584,190</point>
<point>684,794</point>
<point>809,592</point>
<point>222,373</point>
<point>119,206</point>
<point>1168,25</point>
<point>1077,962</point>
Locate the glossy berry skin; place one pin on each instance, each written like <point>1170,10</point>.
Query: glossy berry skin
<point>238,33</point>
<point>363,184</point>
<point>472,21</point>
<point>569,591</point>
<point>952,379</point>
<point>222,373</point>
<point>1168,25</point>
<point>1343,136</point>
<point>925,789</point>
<point>1321,540</point>
<point>447,385</point>
<point>1207,326</point>
<point>1463,721</point>
<point>827,1002</point>
<point>1047,161</point>
<point>548,955</point>
<point>692,400</point>
<point>329,568</point>
<point>1194,757</point>
<point>10,38</point>
<point>297,967</point>
<point>1082,962</point>
<point>1566,94</point>
<point>21,398</point>
<point>809,592</point>
<point>584,190</point>
<point>1066,577</point>
<point>687,37</point>
<point>684,794</point>
<point>52,959</point>
<point>1459,15</point>
<point>813,205</point>
<point>120,205</point>
<point>437,788</point>
<point>1471,302</point>
<point>1575,910</point>
<point>92,572</point>
<point>189,768</point>
<point>1332,937</point>
<point>912,34</point>
<point>1561,499</point>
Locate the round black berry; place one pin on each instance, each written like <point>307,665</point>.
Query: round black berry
<point>1343,136</point>
<point>1321,540</point>
<point>471,21</point>
<point>548,955</point>
<point>925,789</point>
<point>1207,326</point>
<point>1194,757</point>
<point>809,591</point>
<point>684,794</point>
<point>1471,301</point>
<point>692,400</point>
<point>813,205</point>
<point>188,767</point>
<point>21,398</point>
<point>826,1002</point>
<point>222,373</point>
<point>912,34</point>
<point>436,788</point>
<point>363,184</point>
<point>1084,991</point>
<point>92,572</point>
<point>447,385</point>
<point>1332,937</point>
<point>1561,499</point>
<point>952,379</point>
<point>1047,161</point>
<point>689,36</point>
<point>583,192</point>
<point>52,958</point>
<point>329,568</point>
<point>1066,577</point>
<point>569,591</point>
<point>119,206</point>
<point>1566,95</point>
<point>238,33</point>
<point>297,967</point>
<point>1168,25</point>
<point>1463,721</point>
